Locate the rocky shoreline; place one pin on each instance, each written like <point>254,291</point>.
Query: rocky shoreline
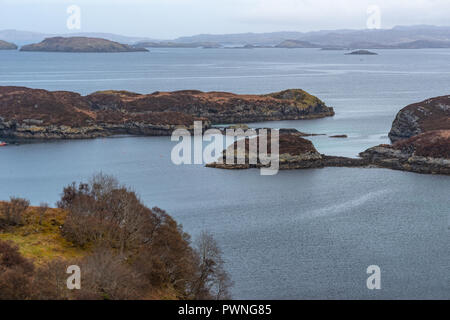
<point>39,114</point>
<point>425,153</point>
<point>295,152</point>
<point>416,118</point>
<point>421,143</point>
<point>420,132</point>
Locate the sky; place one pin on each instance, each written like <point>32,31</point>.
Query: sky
<point>168,19</point>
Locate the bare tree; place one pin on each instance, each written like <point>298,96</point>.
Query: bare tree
<point>106,275</point>
<point>213,281</point>
<point>14,209</point>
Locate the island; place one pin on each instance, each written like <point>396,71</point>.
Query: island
<point>7,45</point>
<point>420,135</point>
<point>40,114</point>
<point>362,52</point>
<point>295,152</point>
<point>80,44</point>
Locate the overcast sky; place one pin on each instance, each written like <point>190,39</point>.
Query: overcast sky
<point>166,19</point>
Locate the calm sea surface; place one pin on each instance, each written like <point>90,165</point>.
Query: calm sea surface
<point>298,234</point>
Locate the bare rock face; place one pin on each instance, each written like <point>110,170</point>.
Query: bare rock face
<point>79,44</point>
<point>35,113</point>
<point>431,114</point>
<point>427,152</point>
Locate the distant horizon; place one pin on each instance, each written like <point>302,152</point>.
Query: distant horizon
<point>170,19</point>
<point>76,32</point>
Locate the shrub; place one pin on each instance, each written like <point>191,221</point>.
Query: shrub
<point>107,276</point>
<point>15,273</point>
<point>13,211</point>
<point>50,281</point>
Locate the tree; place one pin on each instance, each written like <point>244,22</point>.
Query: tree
<point>107,276</point>
<point>151,245</point>
<point>213,281</point>
<point>13,211</point>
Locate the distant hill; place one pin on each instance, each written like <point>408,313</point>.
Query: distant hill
<point>364,38</point>
<point>7,45</point>
<point>164,44</point>
<point>419,44</point>
<point>420,36</point>
<point>296,44</point>
<point>79,44</point>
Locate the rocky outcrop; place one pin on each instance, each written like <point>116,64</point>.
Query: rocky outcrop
<point>362,52</point>
<point>7,45</point>
<point>339,136</point>
<point>427,152</point>
<point>431,114</point>
<point>35,113</point>
<point>80,44</point>
<point>421,139</point>
<point>295,152</point>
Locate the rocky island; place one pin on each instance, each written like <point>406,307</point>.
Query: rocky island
<point>80,44</point>
<point>362,52</point>
<point>39,114</point>
<point>421,144</point>
<point>295,152</point>
<point>7,45</point>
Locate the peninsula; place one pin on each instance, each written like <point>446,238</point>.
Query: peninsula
<point>39,114</point>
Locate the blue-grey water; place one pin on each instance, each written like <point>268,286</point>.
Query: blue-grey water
<point>299,234</point>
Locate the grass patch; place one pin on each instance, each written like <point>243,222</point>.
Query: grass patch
<point>39,237</point>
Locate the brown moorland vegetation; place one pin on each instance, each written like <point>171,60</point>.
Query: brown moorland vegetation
<point>37,113</point>
<point>124,249</point>
<point>428,115</point>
